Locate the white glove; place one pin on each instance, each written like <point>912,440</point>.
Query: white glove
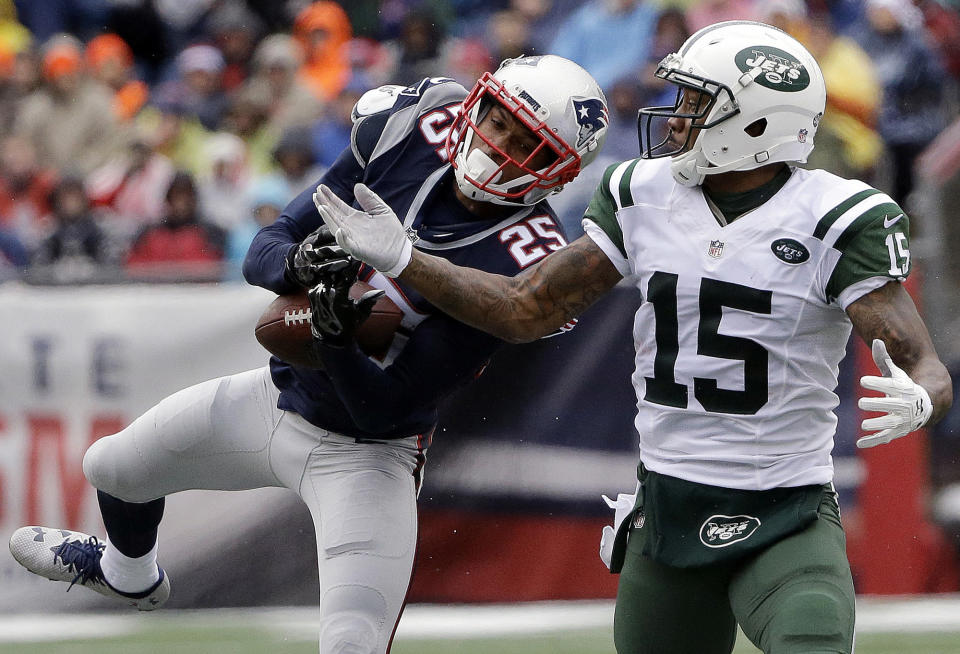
<point>907,405</point>
<point>621,509</point>
<point>373,235</point>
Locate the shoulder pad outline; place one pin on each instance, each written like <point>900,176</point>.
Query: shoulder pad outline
<point>376,100</point>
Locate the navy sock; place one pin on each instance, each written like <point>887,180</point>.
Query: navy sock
<point>132,527</point>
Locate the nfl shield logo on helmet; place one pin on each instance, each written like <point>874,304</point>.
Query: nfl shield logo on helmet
<point>592,116</point>
<point>715,249</point>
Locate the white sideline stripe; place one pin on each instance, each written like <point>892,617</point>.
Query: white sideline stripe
<point>35,627</point>
<point>426,621</point>
<point>466,621</point>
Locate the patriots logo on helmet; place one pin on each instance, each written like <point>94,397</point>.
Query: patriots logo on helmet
<point>592,116</point>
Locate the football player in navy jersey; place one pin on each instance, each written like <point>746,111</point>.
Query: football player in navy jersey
<point>468,175</point>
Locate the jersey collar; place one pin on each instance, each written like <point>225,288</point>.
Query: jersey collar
<point>445,237</point>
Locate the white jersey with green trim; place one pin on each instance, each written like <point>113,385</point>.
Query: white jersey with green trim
<point>742,328</point>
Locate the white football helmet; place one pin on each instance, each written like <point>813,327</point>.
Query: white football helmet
<point>557,100</point>
<point>760,96</point>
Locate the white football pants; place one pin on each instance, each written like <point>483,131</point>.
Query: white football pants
<point>228,434</point>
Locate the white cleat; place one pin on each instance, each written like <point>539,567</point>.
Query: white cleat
<point>74,557</point>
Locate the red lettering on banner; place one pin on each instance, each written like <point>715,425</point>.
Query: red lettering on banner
<point>46,434</point>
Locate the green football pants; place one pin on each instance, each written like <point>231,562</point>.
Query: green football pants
<point>794,597</point>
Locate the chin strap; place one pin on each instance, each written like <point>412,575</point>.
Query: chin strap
<point>685,169</point>
<point>480,166</point>
<point>688,170</point>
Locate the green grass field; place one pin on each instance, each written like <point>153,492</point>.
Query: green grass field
<point>444,630</point>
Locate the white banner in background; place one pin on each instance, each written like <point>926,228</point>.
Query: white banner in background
<point>80,363</point>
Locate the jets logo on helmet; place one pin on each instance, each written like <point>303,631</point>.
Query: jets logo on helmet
<point>780,71</point>
<point>592,116</point>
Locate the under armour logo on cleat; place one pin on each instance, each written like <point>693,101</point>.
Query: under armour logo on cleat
<point>40,534</point>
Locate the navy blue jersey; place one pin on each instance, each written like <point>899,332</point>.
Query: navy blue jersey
<point>397,149</point>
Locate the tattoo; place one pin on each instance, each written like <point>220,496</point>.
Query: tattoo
<point>888,313</point>
<point>522,308</point>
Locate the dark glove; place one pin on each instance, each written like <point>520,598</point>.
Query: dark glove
<point>334,315</point>
<point>305,260</point>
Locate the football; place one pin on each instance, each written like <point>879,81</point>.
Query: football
<point>283,328</point>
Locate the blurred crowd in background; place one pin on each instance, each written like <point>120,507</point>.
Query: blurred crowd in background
<point>150,139</point>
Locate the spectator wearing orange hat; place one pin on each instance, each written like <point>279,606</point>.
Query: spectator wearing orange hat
<point>110,61</point>
<point>69,119</point>
<point>323,30</point>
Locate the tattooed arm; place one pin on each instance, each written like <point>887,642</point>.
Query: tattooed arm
<point>536,302</point>
<point>522,308</point>
<point>889,314</point>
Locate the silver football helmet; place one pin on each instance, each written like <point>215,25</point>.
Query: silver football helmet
<point>755,96</point>
<point>555,99</point>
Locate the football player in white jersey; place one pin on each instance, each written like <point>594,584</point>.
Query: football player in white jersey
<point>753,273</point>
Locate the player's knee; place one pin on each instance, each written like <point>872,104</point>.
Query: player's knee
<point>97,466</point>
<point>347,632</point>
<point>103,466</point>
<point>814,620</point>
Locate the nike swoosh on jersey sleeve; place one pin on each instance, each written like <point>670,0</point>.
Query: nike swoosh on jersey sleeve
<point>890,222</point>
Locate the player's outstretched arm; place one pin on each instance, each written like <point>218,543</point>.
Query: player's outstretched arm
<point>536,302</point>
<point>906,359</point>
<point>516,309</point>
